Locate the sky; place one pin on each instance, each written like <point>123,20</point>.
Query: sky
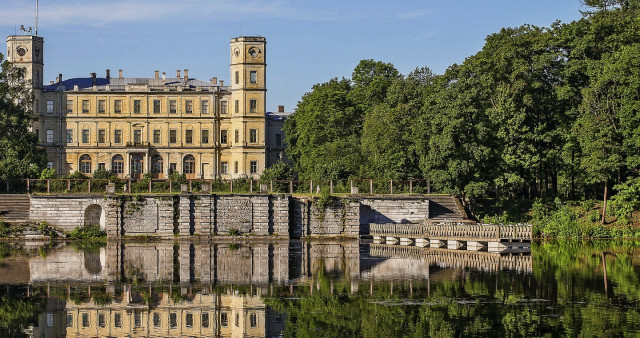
<point>308,42</point>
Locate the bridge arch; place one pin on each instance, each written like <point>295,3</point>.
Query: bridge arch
<point>95,214</point>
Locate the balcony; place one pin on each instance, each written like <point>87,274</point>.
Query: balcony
<point>138,145</point>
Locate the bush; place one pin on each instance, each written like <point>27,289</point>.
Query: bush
<point>102,174</point>
<point>88,232</point>
<point>627,200</point>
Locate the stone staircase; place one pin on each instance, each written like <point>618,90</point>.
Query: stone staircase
<point>14,208</point>
<point>446,207</point>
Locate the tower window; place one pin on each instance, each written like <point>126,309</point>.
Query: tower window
<point>223,136</point>
<point>235,167</point>
<point>278,140</point>
<point>223,107</point>
<point>237,136</point>
<point>237,106</point>
<point>253,105</point>
<point>49,135</point>
<point>237,77</point>
<point>253,76</point>
<point>50,106</point>
<point>253,135</point>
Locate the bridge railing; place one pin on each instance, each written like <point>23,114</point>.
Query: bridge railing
<point>453,231</point>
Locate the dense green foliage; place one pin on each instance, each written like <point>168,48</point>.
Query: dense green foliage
<point>537,113</point>
<point>91,231</point>
<point>20,155</point>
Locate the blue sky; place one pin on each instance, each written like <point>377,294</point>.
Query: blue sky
<point>307,41</point>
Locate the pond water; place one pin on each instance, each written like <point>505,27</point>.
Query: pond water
<point>317,288</point>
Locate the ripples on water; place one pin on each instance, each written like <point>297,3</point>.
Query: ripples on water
<point>312,289</point>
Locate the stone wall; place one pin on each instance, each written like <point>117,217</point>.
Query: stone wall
<point>406,209</point>
<point>340,218</point>
<point>66,212</point>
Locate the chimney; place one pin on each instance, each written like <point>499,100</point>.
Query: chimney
<point>186,75</point>
<point>178,74</point>
<point>281,109</point>
<point>120,73</point>
<point>93,78</point>
<point>214,80</point>
<point>164,77</point>
<point>60,77</point>
<point>221,83</point>
<point>157,74</point>
<point>51,82</point>
<point>108,73</point>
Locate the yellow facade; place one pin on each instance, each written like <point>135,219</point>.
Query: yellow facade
<point>132,126</point>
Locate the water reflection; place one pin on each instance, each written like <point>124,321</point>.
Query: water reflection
<point>304,288</point>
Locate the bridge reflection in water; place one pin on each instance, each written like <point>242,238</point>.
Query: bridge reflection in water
<point>203,288</point>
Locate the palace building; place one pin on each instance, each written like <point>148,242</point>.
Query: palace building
<point>161,124</point>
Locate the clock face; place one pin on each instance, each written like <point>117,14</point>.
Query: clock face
<point>254,52</point>
<point>21,51</point>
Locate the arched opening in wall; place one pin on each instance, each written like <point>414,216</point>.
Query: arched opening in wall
<point>189,166</point>
<point>85,164</point>
<point>157,166</point>
<point>137,166</point>
<point>92,262</point>
<point>94,214</point>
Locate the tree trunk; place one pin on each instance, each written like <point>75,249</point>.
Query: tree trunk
<point>604,205</point>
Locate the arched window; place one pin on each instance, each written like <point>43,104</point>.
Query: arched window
<point>157,166</point>
<point>85,164</point>
<point>189,166</point>
<point>137,166</point>
<point>117,164</point>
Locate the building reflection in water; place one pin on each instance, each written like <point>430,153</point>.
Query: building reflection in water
<point>215,289</point>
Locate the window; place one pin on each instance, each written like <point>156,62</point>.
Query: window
<point>204,107</point>
<point>253,76</point>
<point>173,136</point>
<point>137,319</point>
<point>172,167</point>
<point>101,135</point>
<point>117,164</point>
<point>189,320</point>
<point>156,106</point>
<point>188,106</point>
<point>205,136</point>
<point>237,106</point>
<point>136,106</point>
<point>237,77</point>
<point>224,320</point>
<point>237,319</point>
<point>85,320</point>
<point>101,321</point>
<point>237,136</point>
<point>69,106</point>
<point>223,107</point>
<point>117,320</point>
<point>49,165</point>
<point>85,135</point>
<point>224,167</point>
<point>117,106</point>
<point>49,319</point>
<point>117,136</point>
<point>173,320</point>
<point>156,136</point>
<point>101,106</point>
<point>156,164</point>
<point>253,105</point>
<point>173,107</point>
<point>69,135</point>
<point>156,319</point>
<point>85,106</point>
<point>253,320</point>
<point>49,106</point>
<point>102,166</point>
<point>253,167</point>
<point>137,136</point>
<point>253,135</point>
<point>205,320</point>
<point>188,136</point>
<point>278,140</point>
<point>223,136</point>
<point>189,165</point>
<point>235,167</point>
<point>49,135</point>
<point>69,320</point>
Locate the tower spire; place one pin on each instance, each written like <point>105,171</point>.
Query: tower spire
<point>36,17</point>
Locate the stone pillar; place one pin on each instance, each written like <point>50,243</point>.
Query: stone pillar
<point>352,219</point>
<point>184,258</point>
<point>113,214</point>
<point>203,214</point>
<point>165,216</point>
<point>260,215</point>
<point>281,215</point>
<point>281,262</point>
<point>184,220</point>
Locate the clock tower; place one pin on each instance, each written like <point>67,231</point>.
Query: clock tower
<point>26,51</point>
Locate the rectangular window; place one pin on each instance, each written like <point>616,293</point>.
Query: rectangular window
<point>236,137</point>
<point>137,136</point>
<point>172,167</point>
<point>237,106</point>
<point>69,320</point>
<point>253,105</point>
<point>173,320</point>
<point>101,106</point>
<point>49,135</point>
<point>156,106</point>
<point>50,106</point>
<point>253,320</point>
<point>85,320</point>
<point>137,319</point>
<point>278,140</point>
<point>253,76</point>
<point>224,167</point>
<point>117,320</point>
<point>205,136</point>
<point>117,136</point>
<point>224,319</point>
<point>235,167</point>
<point>253,135</point>
<point>85,106</point>
<point>173,136</point>
<point>188,106</point>
<point>205,320</point>
<point>117,106</point>
<point>156,136</point>
<point>69,135</point>
<point>173,107</point>
<point>223,136</point>
<point>253,167</point>
<point>237,77</point>
<point>188,136</point>
<point>49,319</point>
<point>85,135</point>
<point>69,106</point>
<point>101,321</point>
<point>189,320</point>
<point>156,319</point>
<point>136,106</point>
<point>102,166</point>
<point>237,319</point>
<point>223,107</point>
<point>204,107</point>
<point>102,135</point>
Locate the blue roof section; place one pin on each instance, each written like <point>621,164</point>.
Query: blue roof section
<point>278,116</point>
<point>120,83</point>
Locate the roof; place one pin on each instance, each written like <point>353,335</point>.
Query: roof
<point>119,84</point>
<point>278,116</point>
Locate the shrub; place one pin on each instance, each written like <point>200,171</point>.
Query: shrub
<point>88,232</point>
<point>627,200</point>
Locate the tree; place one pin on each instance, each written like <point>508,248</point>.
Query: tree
<point>20,155</point>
